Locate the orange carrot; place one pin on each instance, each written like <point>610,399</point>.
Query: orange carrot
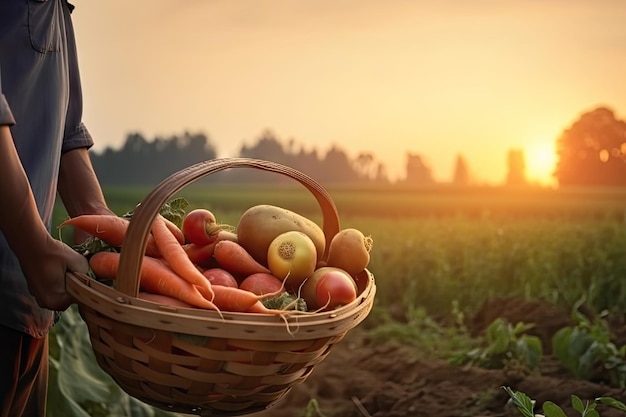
<point>200,255</point>
<point>109,228</point>
<point>154,276</point>
<point>175,255</point>
<point>176,231</point>
<point>237,300</point>
<point>163,299</point>
<point>235,259</point>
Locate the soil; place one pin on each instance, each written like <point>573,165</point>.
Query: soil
<point>360,378</point>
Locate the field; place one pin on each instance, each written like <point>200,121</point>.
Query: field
<point>448,264</point>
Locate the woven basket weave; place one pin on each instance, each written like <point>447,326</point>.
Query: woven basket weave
<point>197,361</point>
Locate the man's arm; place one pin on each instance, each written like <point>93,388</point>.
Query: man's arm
<point>79,188</point>
<point>19,218</point>
<point>44,260</point>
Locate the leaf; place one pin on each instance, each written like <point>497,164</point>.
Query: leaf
<point>531,350</point>
<point>611,402</point>
<point>523,403</point>
<point>79,376</point>
<point>550,409</point>
<point>58,404</point>
<point>285,301</point>
<point>313,409</point>
<point>580,341</point>
<point>498,336</point>
<point>577,404</point>
<point>173,210</point>
<point>93,245</point>
<point>521,327</point>
<point>560,348</point>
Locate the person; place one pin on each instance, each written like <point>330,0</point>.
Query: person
<point>43,153</point>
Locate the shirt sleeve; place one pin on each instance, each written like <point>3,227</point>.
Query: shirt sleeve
<point>76,134</point>
<point>6,117</point>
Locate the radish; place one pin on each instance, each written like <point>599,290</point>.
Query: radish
<point>219,276</point>
<point>200,227</point>
<point>261,283</point>
<point>328,288</point>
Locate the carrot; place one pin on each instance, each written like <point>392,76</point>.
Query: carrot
<point>105,264</point>
<point>235,259</point>
<point>154,276</point>
<point>176,231</point>
<point>237,300</point>
<point>176,257</point>
<point>109,228</point>
<point>163,299</point>
<point>200,255</point>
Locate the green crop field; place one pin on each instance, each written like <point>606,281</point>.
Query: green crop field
<point>439,245</point>
<point>445,251</point>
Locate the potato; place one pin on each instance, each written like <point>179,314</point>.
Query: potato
<point>261,224</point>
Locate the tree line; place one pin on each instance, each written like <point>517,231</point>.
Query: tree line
<point>591,152</point>
<point>147,162</point>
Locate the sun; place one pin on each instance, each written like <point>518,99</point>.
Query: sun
<point>540,162</point>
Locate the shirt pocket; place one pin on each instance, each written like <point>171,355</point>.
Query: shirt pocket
<point>45,22</point>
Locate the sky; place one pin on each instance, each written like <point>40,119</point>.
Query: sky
<point>435,78</point>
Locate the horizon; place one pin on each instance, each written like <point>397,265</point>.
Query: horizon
<point>322,152</point>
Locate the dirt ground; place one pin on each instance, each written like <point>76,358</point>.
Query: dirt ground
<point>360,378</point>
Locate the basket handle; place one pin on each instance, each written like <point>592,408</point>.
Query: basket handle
<point>135,242</point>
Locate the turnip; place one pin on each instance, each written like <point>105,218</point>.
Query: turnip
<point>350,250</point>
<point>292,257</point>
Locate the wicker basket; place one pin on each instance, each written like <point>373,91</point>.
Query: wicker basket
<point>195,361</point>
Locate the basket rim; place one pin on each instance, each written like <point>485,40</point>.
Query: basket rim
<point>121,307</point>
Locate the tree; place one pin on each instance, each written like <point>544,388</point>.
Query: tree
<point>417,172</point>
<point>336,167</point>
<point>593,151</point>
<point>140,161</point>
<point>516,164</point>
<point>267,147</point>
<point>461,175</point>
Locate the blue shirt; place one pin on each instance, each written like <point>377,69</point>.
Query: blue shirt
<point>41,99</point>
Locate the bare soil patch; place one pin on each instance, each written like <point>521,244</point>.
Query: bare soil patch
<point>361,378</point>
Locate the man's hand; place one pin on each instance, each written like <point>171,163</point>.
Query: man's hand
<point>45,272</point>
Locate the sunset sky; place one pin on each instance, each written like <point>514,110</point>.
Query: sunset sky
<point>436,78</point>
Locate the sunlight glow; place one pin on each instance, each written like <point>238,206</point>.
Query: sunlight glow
<point>540,162</point>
